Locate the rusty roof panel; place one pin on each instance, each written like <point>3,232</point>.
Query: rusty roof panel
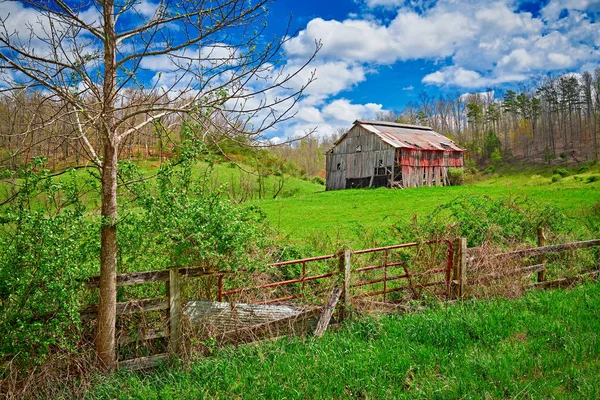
<point>409,136</point>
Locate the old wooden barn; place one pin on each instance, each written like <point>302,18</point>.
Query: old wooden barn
<point>377,153</point>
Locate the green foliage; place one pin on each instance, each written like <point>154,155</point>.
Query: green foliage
<point>505,220</point>
<point>562,172</point>
<point>179,222</point>
<point>490,169</point>
<point>563,156</point>
<point>470,166</point>
<point>318,180</point>
<point>44,255</point>
<point>593,178</point>
<point>556,178</point>
<point>492,145</point>
<point>482,219</point>
<point>456,176</point>
<point>51,243</point>
<point>548,155</point>
<point>496,157</point>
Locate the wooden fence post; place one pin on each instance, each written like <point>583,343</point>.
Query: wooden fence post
<point>174,311</point>
<point>459,270</point>
<point>542,260</point>
<point>344,269</point>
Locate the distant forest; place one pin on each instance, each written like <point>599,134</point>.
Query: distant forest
<point>548,118</point>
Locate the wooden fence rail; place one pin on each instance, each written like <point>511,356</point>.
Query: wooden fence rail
<point>461,264</point>
<point>455,279</point>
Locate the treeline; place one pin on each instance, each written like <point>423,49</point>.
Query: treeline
<point>546,118</point>
<point>33,124</point>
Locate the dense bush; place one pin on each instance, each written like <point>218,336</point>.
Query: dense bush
<point>456,176</point>
<point>556,178</point>
<point>50,244</point>
<point>562,172</point>
<point>483,219</point>
<point>43,258</point>
<point>490,169</point>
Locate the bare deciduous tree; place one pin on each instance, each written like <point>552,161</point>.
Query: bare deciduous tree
<point>117,68</point>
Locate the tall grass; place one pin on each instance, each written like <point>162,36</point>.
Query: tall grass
<point>544,345</point>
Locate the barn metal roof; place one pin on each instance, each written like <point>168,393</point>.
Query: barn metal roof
<point>408,136</point>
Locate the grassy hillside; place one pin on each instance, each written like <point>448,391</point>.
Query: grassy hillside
<point>544,345</point>
<point>351,213</point>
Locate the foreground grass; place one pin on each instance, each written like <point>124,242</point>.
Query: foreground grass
<point>350,213</point>
<point>544,345</point>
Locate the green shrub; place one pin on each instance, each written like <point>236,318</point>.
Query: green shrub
<point>563,156</point>
<point>548,155</point>
<point>44,257</point>
<point>583,169</point>
<point>318,180</point>
<point>593,178</point>
<point>562,172</point>
<point>490,169</point>
<point>496,157</point>
<point>456,176</point>
<point>47,252</point>
<point>480,218</point>
<point>556,178</point>
<point>470,166</point>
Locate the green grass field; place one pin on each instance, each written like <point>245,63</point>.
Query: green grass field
<point>544,345</point>
<point>351,213</point>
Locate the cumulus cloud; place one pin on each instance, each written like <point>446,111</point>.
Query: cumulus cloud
<point>327,119</point>
<point>486,42</point>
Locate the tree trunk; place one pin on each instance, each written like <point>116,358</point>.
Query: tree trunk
<point>105,339</point>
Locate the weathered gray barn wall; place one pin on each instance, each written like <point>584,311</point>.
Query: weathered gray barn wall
<point>349,161</point>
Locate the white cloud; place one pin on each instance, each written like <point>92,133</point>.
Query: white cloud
<point>330,77</point>
<point>343,110</point>
<point>327,119</point>
<point>482,43</point>
<point>458,76</point>
<point>560,60</point>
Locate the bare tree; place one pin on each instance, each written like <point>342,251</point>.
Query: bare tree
<point>118,67</point>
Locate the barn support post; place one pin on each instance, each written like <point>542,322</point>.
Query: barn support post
<point>542,260</point>
<point>459,270</point>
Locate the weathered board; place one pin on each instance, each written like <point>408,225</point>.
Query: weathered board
<point>222,319</point>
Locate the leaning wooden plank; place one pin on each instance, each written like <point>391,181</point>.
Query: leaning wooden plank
<point>506,274</point>
<point>536,251</point>
<point>129,307</point>
<point>564,282</point>
<point>136,278</point>
<point>143,362</point>
<point>327,312</point>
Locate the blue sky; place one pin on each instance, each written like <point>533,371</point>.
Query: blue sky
<point>378,55</point>
<point>381,54</point>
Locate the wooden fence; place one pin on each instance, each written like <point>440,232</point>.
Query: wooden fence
<point>344,290</point>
